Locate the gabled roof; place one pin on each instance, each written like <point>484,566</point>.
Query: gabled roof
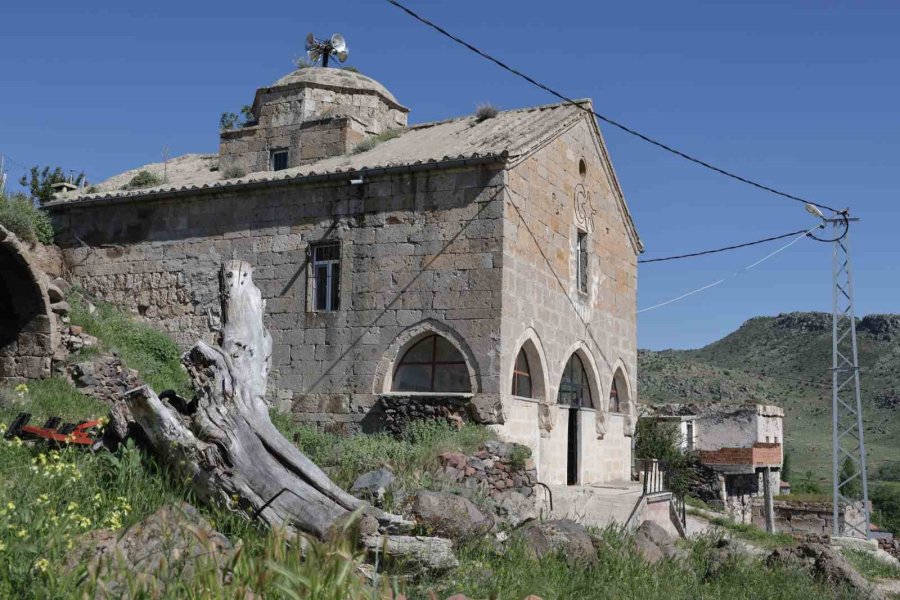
<point>508,135</point>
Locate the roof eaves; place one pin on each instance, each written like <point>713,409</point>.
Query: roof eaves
<point>446,162</point>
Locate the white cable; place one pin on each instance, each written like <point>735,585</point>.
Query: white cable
<point>735,274</point>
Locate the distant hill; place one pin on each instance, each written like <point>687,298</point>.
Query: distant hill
<point>785,360</point>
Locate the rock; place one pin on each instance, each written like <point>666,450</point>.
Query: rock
<point>62,285</point>
<point>76,330</point>
<point>60,308</point>
<point>655,543</point>
<point>54,293</point>
<point>449,515</point>
<point>457,460</point>
<point>416,551</point>
<point>373,485</point>
<point>165,546</point>
<point>826,564</point>
<point>562,535</point>
<point>516,508</point>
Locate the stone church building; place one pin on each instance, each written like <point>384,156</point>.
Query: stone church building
<point>482,267</point>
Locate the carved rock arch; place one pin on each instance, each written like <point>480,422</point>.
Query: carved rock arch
<point>28,331</point>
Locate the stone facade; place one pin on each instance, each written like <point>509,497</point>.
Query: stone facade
<point>312,114</point>
<point>28,330</point>
<point>478,249</point>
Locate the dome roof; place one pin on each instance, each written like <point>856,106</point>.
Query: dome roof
<point>336,78</point>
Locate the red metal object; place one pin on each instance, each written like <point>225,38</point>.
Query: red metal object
<point>68,434</point>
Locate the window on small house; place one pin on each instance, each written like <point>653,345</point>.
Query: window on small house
<point>279,159</point>
<point>521,384</point>
<point>614,397</point>
<point>326,276</point>
<point>689,435</point>
<point>581,269</point>
<point>432,364</point>
<point>574,387</point>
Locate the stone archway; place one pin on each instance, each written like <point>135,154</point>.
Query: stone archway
<point>28,334</point>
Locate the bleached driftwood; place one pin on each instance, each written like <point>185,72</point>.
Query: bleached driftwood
<point>223,441</point>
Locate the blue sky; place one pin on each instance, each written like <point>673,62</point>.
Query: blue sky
<point>800,95</point>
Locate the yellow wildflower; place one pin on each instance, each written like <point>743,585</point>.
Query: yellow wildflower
<point>41,565</point>
<point>10,505</point>
<point>21,389</point>
<point>21,533</point>
<point>2,546</point>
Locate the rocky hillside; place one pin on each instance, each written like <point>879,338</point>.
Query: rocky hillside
<point>785,360</point>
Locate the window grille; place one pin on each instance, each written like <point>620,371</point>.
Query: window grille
<point>582,262</point>
<point>432,364</point>
<point>326,277</point>
<point>521,384</point>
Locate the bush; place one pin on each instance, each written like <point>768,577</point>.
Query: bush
<point>485,111</point>
<point>372,141</point>
<point>23,218</point>
<point>143,179</point>
<point>889,471</point>
<point>233,172</point>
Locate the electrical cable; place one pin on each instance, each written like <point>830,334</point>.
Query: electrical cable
<point>726,248</point>
<point>735,274</point>
<point>603,118</point>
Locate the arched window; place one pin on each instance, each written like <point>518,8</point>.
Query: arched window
<point>575,388</point>
<point>614,397</point>
<point>521,383</point>
<point>432,364</point>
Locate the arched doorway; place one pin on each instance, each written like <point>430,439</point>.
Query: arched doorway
<point>26,324</point>
<point>575,393</point>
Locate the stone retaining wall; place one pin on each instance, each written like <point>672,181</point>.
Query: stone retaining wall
<point>497,468</point>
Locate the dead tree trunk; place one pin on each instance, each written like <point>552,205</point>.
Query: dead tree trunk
<point>224,441</point>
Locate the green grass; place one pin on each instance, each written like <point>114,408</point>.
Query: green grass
<point>804,497</point>
<point>871,567</point>
<point>413,458</point>
<point>754,535</point>
<point>154,354</point>
<point>620,573</point>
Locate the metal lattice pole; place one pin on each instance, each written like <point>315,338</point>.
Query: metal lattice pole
<point>851,487</point>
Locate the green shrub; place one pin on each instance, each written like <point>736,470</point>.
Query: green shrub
<point>30,224</point>
<point>233,172</point>
<point>518,456</point>
<point>871,567</point>
<point>889,471</point>
<point>373,140</point>
<point>143,179</point>
<point>885,499</point>
<point>154,354</point>
<point>485,111</point>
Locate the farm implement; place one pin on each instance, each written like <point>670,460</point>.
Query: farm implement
<point>54,431</point>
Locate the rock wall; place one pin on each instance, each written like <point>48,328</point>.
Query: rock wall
<point>29,337</point>
<point>496,469</point>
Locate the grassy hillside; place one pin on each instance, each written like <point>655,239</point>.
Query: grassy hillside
<point>785,360</point>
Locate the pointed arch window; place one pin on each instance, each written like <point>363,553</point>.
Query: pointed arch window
<point>432,364</point>
<point>522,381</point>
<point>574,387</point>
<point>614,405</point>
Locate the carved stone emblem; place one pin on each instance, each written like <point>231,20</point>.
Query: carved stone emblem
<point>584,208</point>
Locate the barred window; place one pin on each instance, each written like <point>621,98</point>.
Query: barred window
<point>574,388</point>
<point>521,384</point>
<point>279,159</point>
<point>432,364</point>
<point>582,262</point>
<point>326,276</point>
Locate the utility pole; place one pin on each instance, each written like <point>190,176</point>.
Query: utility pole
<point>850,510</point>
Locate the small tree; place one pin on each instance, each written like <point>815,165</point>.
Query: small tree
<point>786,467</point>
<point>227,121</point>
<point>853,488</point>
<point>40,181</point>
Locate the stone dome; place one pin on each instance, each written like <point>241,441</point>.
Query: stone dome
<point>337,79</point>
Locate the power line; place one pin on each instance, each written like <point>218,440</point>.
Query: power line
<point>735,274</point>
<point>726,248</point>
<point>603,118</point>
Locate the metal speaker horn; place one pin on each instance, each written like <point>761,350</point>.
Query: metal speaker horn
<point>310,42</point>
<point>314,55</point>
<point>338,43</point>
<point>343,54</point>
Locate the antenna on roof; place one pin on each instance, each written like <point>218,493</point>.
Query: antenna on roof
<point>324,49</point>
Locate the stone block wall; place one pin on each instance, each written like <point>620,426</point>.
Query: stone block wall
<point>497,468</point>
<point>28,330</point>
<point>420,252</point>
<point>549,200</point>
<point>803,518</point>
